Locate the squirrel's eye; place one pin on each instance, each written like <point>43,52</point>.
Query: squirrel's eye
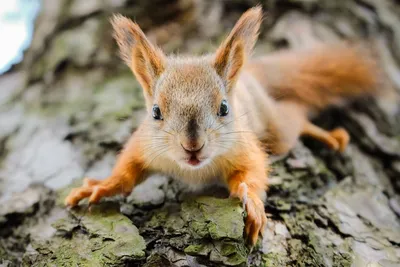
<point>223,109</point>
<point>157,113</point>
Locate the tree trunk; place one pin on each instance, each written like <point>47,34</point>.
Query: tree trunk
<point>66,110</point>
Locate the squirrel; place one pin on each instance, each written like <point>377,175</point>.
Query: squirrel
<point>212,118</point>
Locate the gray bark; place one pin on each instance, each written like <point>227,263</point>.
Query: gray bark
<point>66,110</point>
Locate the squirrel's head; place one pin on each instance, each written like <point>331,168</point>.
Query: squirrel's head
<point>189,100</point>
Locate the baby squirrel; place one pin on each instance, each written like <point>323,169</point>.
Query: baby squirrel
<point>211,118</point>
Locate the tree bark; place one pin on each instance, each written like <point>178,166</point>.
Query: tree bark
<point>66,110</point>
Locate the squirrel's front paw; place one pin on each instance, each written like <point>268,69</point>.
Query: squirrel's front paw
<point>256,217</point>
<point>255,220</point>
<point>94,189</point>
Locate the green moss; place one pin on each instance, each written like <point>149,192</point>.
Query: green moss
<point>199,249</point>
<point>229,253</point>
<point>283,205</point>
<point>118,97</point>
<point>101,237</point>
<point>66,225</point>
<point>204,217</point>
<point>6,258</point>
<point>206,226</point>
<point>218,218</point>
<point>3,253</point>
<point>158,219</point>
<point>93,98</point>
<point>77,251</point>
<point>157,260</point>
<point>315,248</point>
<point>274,259</point>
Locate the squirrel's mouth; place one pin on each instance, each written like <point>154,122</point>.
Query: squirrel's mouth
<point>193,160</point>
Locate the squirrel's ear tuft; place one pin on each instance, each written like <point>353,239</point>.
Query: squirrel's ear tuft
<point>232,53</point>
<point>146,61</point>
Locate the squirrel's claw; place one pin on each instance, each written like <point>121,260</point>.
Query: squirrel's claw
<point>256,218</point>
<point>91,188</point>
<point>97,189</point>
<point>242,193</point>
<point>255,221</point>
<point>76,195</point>
<point>97,193</point>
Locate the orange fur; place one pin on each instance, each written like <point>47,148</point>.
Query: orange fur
<point>146,61</point>
<point>231,55</point>
<point>317,77</point>
<point>270,100</point>
<point>305,81</point>
<point>127,173</point>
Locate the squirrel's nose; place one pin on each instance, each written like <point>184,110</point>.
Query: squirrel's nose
<point>192,147</point>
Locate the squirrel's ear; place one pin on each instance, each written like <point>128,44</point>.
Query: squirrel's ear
<point>146,61</point>
<point>232,53</point>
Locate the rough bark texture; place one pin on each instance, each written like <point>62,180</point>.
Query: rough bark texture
<point>68,107</point>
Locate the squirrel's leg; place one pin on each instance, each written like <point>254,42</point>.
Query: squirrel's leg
<point>290,122</point>
<point>127,172</point>
<point>336,139</point>
<point>250,189</point>
<point>285,126</point>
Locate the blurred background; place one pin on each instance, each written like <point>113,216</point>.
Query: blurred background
<point>68,103</point>
<point>16,27</point>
